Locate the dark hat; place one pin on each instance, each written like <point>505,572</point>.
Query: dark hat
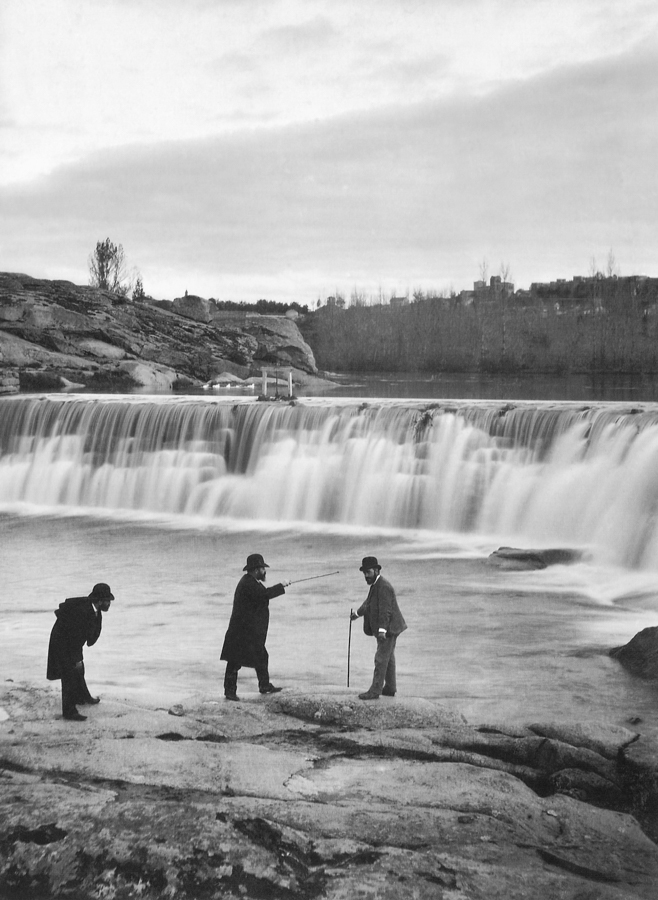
<point>101,591</point>
<point>369,562</point>
<point>255,561</point>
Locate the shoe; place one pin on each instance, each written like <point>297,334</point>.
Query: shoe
<point>368,696</point>
<point>75,717</point>
<point>270,689</point>
<point>90,701</point>
<point>387,693</point>
<point>231,696</point>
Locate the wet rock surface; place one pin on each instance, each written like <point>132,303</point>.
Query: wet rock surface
<point>54,332</point>
<point>640,655</point>
<point>303,795</point>
<point>519,559</point>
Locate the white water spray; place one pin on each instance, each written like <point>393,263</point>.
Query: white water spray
<point>547,474</point>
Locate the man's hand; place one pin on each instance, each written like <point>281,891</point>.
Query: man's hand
<point>381,636</point>
<point>353,616</point>
<point>286,583</point>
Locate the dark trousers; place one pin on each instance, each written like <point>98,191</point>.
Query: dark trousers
<point>384,674</point>
<point>231,677</point>
<point>74,688</point>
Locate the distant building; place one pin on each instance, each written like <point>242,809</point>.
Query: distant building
<point>497,289</point>
<point>399,301</point>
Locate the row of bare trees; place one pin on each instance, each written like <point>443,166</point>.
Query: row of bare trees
<point>620,334</point>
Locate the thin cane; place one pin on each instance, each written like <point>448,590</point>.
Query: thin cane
<point>349,645</point>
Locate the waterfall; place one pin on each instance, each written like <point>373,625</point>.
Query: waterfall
<point>546,474</point>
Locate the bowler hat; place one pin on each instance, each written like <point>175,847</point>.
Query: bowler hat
<point>255,561</point>
<point>101,591</point>
<point>369,562</point>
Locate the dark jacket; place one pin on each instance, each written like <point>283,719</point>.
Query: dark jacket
<point>244,643</point>
<point>77,624</point>
<point>381,610</point>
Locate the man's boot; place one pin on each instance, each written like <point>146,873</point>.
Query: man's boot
<point>231,683</point>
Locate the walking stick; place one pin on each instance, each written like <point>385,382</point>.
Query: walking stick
<point>349,646</point>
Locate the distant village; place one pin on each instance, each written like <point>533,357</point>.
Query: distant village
<point>580,293</point>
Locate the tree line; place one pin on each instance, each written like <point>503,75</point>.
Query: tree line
<point>615,332</point>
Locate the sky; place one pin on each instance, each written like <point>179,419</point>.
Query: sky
<point>292,149</point>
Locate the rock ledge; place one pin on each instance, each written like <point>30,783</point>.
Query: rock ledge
<point>304,795</point>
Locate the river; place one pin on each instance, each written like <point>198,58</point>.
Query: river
<point>164,497</point>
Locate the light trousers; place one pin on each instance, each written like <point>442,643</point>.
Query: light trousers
<point>384,674</point>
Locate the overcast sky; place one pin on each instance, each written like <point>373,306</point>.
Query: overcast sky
<point>286,149</point>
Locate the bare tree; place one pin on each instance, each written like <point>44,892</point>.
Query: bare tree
<point>483,270</point>
<point>612,269</point>
<point>107,268</point>
<point>504,276</point>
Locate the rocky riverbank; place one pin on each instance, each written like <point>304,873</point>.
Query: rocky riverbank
<point>56,334</point>
<point>305,794</point>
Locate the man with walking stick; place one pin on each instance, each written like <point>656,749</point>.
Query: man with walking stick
<point>382,619</point>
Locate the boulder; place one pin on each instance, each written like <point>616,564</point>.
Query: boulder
<point>279,340</point>
<point>149,375</point>
<point>640,655</point>
<point>519,560</point>
<point>192,307</point>
<point>102,349</point>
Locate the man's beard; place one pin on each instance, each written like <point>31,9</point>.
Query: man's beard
<point>370,579</point>
<point>261,576</point>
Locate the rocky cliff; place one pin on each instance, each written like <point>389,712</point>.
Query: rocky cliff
<point>53,333</point>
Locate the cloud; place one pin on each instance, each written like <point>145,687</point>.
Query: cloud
<point>542,174</point>
<point>311,36</point>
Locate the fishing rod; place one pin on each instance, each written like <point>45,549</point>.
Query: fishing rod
<point>313,577</point>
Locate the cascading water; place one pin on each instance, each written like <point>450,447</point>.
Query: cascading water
<point>543,474</point>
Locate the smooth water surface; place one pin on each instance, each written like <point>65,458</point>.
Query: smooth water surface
<point>523,386</point>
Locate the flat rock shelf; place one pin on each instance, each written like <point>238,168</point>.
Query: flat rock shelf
<point>304,795</point>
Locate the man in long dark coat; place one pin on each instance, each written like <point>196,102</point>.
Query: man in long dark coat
<point>382,619</point>
<point>244,643</point>
<point>79,622</point>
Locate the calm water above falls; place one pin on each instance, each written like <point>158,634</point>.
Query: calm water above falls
<point>164,498</point>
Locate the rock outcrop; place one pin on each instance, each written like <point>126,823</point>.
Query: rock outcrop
<point>54,333</point>
<point>640,655</point>
<point>519,560</point>
<point>318,795</point>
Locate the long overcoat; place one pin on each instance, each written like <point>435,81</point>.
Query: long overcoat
<point>78,623</point>
<point>244,642</point>
<point>380,609</point>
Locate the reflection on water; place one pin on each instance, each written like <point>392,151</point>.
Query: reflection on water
<point>497,645</point>
<point>526,386</point>
<point>463,386</point>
